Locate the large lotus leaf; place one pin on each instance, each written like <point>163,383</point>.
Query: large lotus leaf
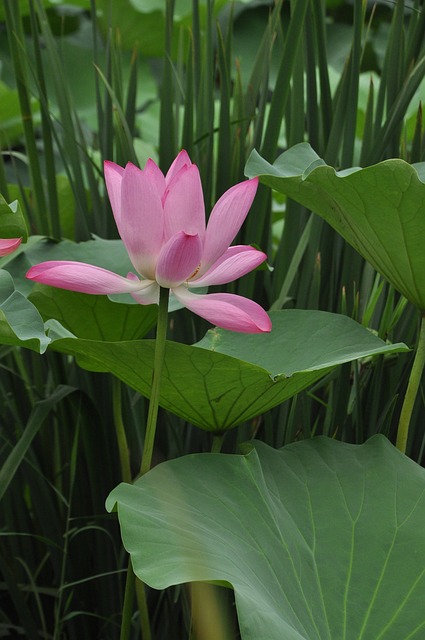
<point>229,378</point>
<point>321,540</point>
<point>94,317</point>
<point>300,341</point>
<point>20,322</point>
<point>379,210</point>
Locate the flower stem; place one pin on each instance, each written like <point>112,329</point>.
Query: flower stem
<point>161,334</point>
<point>412,390</point>
<point>133,584</point>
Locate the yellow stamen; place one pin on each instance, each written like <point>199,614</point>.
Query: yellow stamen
<point>195,272</point>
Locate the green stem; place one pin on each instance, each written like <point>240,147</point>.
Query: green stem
<point>161,334</point>
<point>127,610</point>
<point>123,450</point>
<point>217,442</point>
<point>412,390</point>
<point>142,604</point>
<point>133,584</point>
<point>120,431</point>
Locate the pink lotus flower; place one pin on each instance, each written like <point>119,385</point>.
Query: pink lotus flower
<point>161,220</point>
<point>9,246</point>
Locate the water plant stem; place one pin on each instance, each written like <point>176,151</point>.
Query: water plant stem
<point>142,605</point>
<point>127,610</point>
<point>412,390</point>
<point>161,334</point>
<point>130,584</point>
<point>133,584</point>
<point>120,431</point>
<point>217,442</point>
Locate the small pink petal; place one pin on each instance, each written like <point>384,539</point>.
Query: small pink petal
<point>141,224</point>
<point>78,276</point>
<point>155,176</point>
<point>178,259</point>
<point>226,219</point>
<point>9,245</point>
<point>182,160</point>
<point>233,264</point>
<point>113,178</point>
<point>148,294</point>
<point>184,208</point>
<point>226,310</point>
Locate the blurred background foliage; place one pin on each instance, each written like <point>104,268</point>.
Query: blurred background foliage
<point>125,80</point>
